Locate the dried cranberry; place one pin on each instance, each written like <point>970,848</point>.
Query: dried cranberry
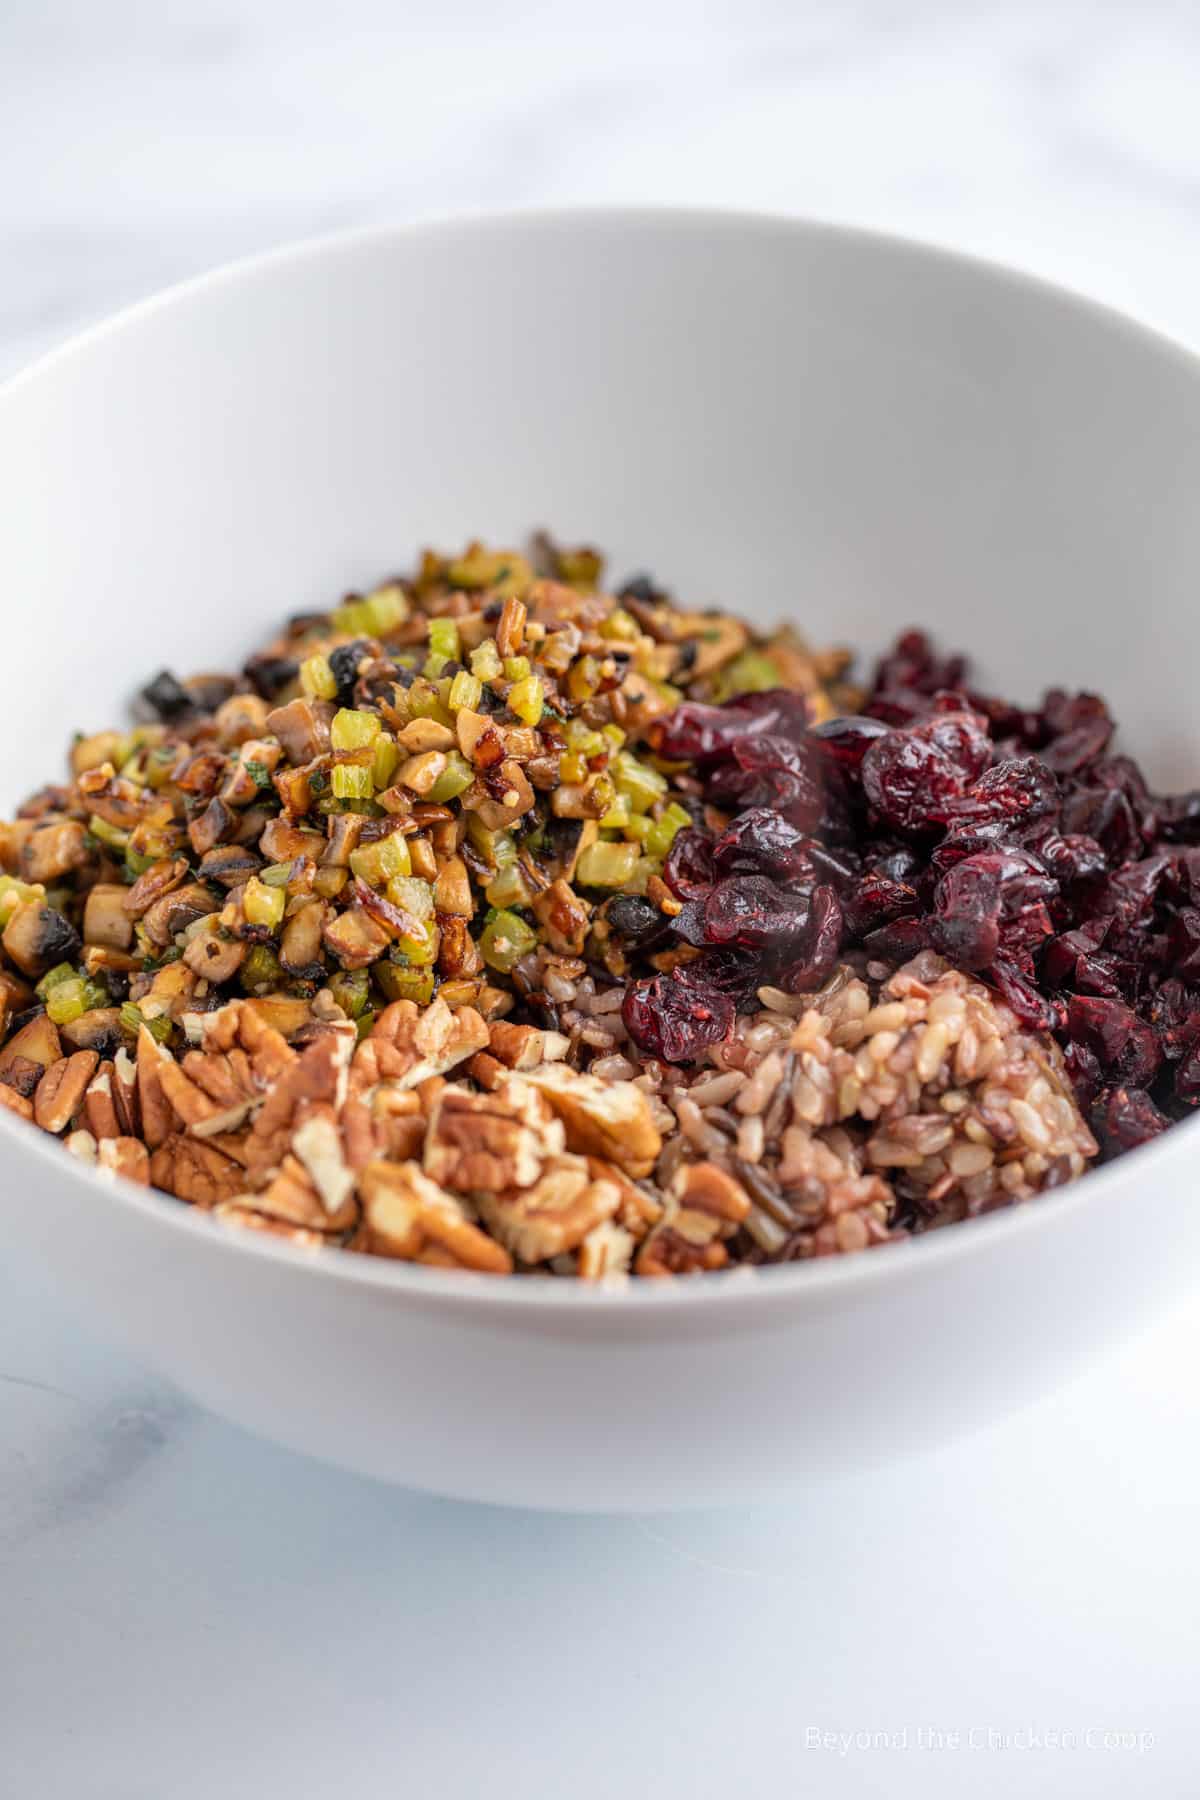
<point>675,1020</point>
<point>754,913</point>
<point>875,901</point>
<point>1070,859</point>
<point>762,842</point>
<point>769,771</point>
<point>1083,1066</point>
<point>1184,944</point>
<point>818,951</point>
<point>704,735</point>
<point>910,774</point>
<point>722,971</point>
<point>1127,1117</point>
<point>1179,818</point>
<point>898,940</point>
<point>846,741</point>
<point>1017,989</point>
<point>1103,1025</point>
<point>1079,727</point>
<point>1016,791</point>
<point>688,871</point>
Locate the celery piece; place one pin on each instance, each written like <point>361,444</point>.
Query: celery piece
<point>352,729</point>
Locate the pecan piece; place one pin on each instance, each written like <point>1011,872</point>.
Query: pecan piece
<point>552,1216</point>
<point>60,1091</point>
<point>195,1170</point>
<point>410,1217</point>
<point>154,1109</point>
<point>99,1106</point>
<point>525,1046</point>
<point>706,1205</point>
<point>16,1103</point>
<point>605,1251</point>
<point>478,1141</point>
<point>602,1118</point>
<point>229,1212</point>
<point>317,1144</point>
<point>124,1156</point>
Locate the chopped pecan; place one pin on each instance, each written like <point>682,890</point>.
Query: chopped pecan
<point>552,1216</point>
<point>478,1141</point>
<point>408,1044</point>
<point>125,1093</point>
<point>16,1103</point>
<point>317,1144</point>
<point>60,1091</point>
<point>638,1210</point>
<point>705,1205</point>
<point>99,1107</point>
<point>606,1251</point>
<point>154,1109</point>
<point>195,1170</point>
<point>408,1216</point>
<point>124,1156</point>
<point>602,1118</point>
<point>317,1076</point>
<point>525,1046</point>
<point>229,1212</point>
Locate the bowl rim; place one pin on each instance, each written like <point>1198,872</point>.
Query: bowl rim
<point>816,1277</point>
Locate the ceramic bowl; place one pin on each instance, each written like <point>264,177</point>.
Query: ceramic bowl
<point>800,421</point>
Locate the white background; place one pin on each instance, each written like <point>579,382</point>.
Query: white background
<point>184,1612</point>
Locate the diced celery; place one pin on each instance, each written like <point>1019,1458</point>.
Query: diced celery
<point>263,905</point>
<point>351,988</point>
<point>424,702</point>
<point>400,982</point>
<point>572,767</point>
<point>136,863</point>
<point>377,863</point>
<point>317,678</point>
<point>108,834</point>
<point>583,678</point>
<point>353,616</point>
<point>505,939</point>
<point>617,816</point>
<point>132,1018</point>
<point>527,698</point>
<point>465,691</point>
<point>507,888</point>
<point>516,668</point>
<point>351,781</point>
<point>260,969</point>
<point>444,639</point>
<point>641,785</point>
<point>55,977</point>
<point>386,607</point>
<point>752,672</point>
<point>414,895</point>
<point>639,827</point>
<point>485,661</point>
<point>619,624</point>
<point>661,837</point>
<point>276,875</point>
<point>606,865</point>
<point>581,737</point>
<point>454,779</point>
<point>67,1001</point>
<point>352,729</point>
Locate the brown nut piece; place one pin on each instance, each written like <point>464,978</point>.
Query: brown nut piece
<point>552,1216</point>
<point>124,1156</point>
<point>608,1119</point>
<point>195,1170</point>
<point>489,1141</point>
<point>410,1217</point>
<point>706,1205</point>
<point>61,1090</point>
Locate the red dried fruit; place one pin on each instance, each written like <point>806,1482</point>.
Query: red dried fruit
<point>762,842</point>
<point>844,742</point>
<point>910,774</point>
<point>1127,1117</point>
<point>688,871</point>
<point>675,1020</point>
<point>818,951</point>
<point>1017,791</point>
<point>753,913</point>
<point>705,735</point>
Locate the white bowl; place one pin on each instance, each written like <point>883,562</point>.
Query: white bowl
<point>796,420</point>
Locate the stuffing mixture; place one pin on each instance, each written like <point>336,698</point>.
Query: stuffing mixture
<point>501,920</point>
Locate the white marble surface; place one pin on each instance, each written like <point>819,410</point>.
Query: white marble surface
<point>186,1612</point>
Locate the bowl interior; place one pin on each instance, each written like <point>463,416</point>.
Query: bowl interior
<point>800,422</point>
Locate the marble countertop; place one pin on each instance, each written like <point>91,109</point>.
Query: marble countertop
<point>186,1611</point>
